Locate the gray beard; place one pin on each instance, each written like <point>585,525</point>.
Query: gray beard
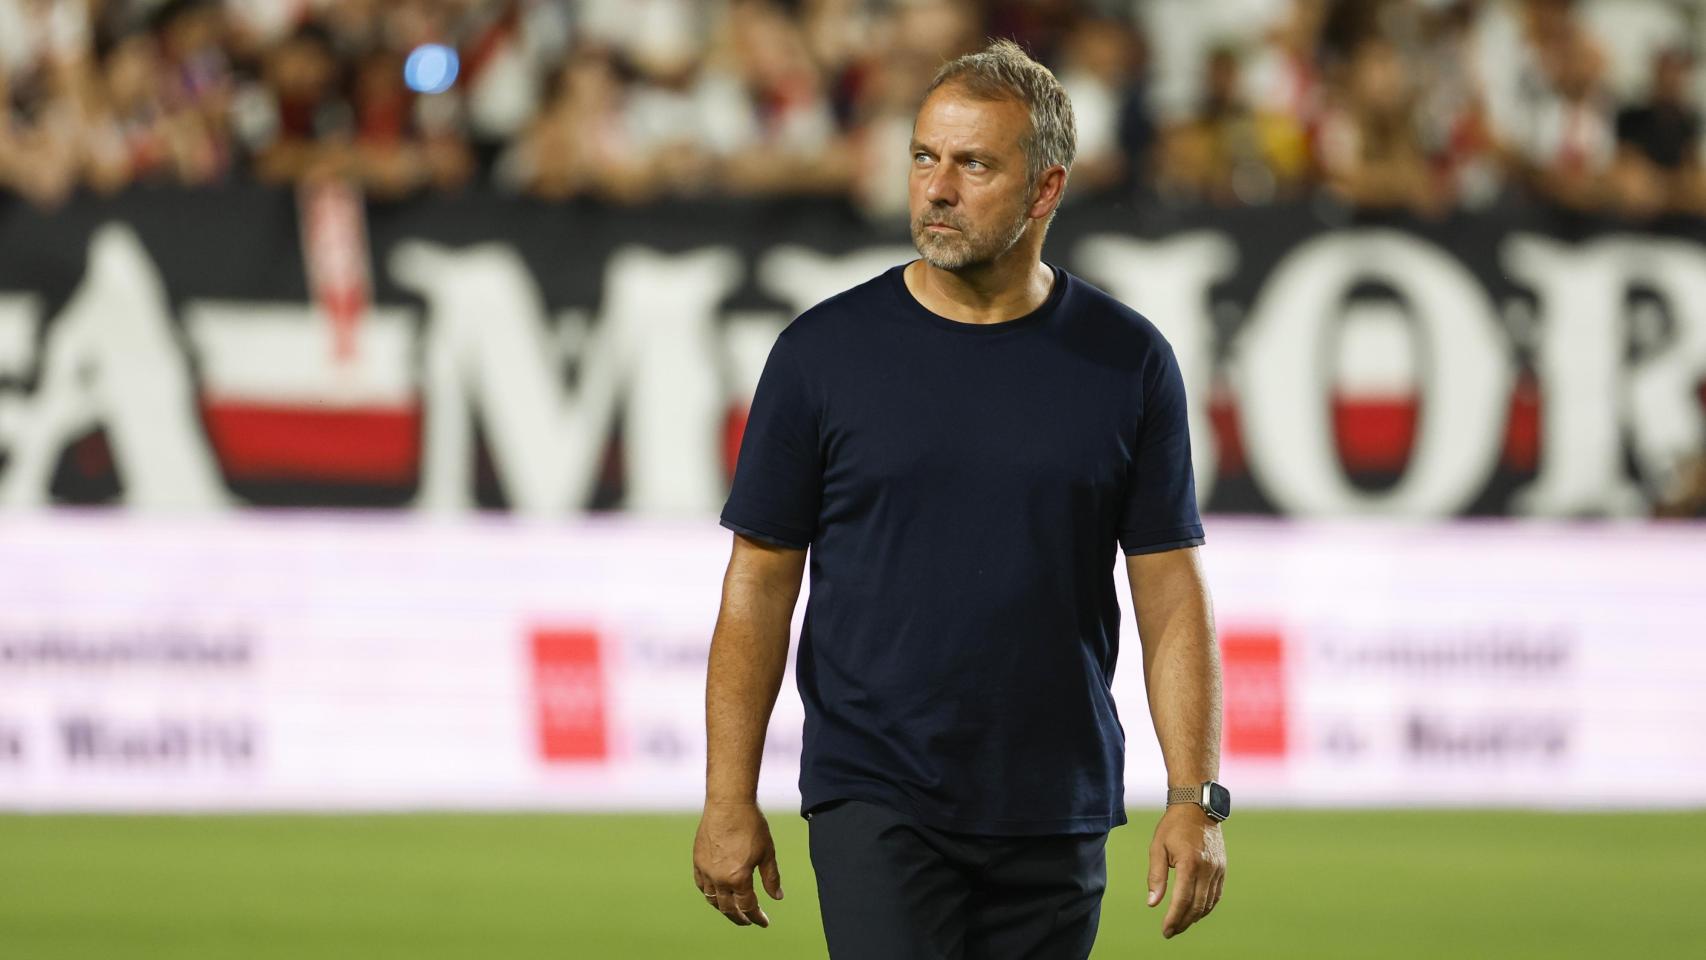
<point>965,249</point>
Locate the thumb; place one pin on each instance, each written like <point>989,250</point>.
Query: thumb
<point>1157,872</point>
<point>771,875</point>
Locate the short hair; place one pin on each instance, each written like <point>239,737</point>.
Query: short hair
<point>1003,71</point>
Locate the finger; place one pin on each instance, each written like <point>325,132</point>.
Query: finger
<point>1219,889</point>
<point>705,889</point>
<point>1157,872</point>
<point>747,902</point>
<point>726,903</point>
<point>1205,892</point>
<point>771,874</point>
<point>1184,894</point>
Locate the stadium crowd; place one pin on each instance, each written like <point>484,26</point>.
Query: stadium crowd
<point>1423,105</point>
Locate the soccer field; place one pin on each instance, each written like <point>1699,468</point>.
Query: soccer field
<point>1300,884</point>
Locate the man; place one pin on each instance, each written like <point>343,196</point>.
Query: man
<point>1658,167</point>
<point>961,442</point>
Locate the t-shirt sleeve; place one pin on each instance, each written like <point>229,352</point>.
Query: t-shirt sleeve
<point>778,481</point>
<point>1160,509</point>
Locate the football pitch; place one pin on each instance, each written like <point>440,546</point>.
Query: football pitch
<point>1300,884</point>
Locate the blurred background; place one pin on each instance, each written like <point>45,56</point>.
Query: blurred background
<point>371,375</point>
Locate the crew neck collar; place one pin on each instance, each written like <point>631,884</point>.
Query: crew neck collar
<point>1036,317</point>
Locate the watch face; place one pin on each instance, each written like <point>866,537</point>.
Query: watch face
<point>1219,800</point>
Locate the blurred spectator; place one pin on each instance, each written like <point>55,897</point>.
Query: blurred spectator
<point>1658,167</point>
<point>307,119</point>
<point>1284,75</point>
<point>42,45</point>
<point>403,140</point>
<point>1184,32</point>
<point>1567,148</point>
<point>1370,150</point>
<point>1231,153</point>
<point>135,135</point>
<point>197,86</point>
<point>1101,69</point>
<point>1416,105</point>
<point>909,42</point>
<point>1040,26</point>
<point>511,48</point>
<point>197,72</point>
<point>1452,114</point>
<point>656,37</point>
<point>789,139</point>
<point>581,143</point>
<point>839,34</point>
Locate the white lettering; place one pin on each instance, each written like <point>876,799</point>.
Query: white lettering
<point>1579,357</point>
<point>287,354</point>
<point>488,344</point>
<point>112,359</point>
<point>1283,380</point>
<point>1666,422</point>
<point>19,316</point>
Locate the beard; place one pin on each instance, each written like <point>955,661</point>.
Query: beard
<point>970,246</point>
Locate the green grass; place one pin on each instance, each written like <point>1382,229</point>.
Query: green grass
<point>1300,884</point>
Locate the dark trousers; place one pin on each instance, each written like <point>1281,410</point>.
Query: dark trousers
<point>893,889</point>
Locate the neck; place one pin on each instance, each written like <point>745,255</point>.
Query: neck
<point>1006,288</point>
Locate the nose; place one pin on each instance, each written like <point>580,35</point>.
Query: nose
<point>939,185</point>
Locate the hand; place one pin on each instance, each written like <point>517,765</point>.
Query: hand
<point>1188,841</point>
<point>733,840</point>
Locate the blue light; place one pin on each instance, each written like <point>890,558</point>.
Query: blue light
<point>431,68</point>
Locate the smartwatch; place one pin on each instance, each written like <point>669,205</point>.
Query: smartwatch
<point>1215,799</point>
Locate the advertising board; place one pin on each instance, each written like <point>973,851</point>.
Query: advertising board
<point>286,661</point>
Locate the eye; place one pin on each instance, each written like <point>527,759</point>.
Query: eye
<point>974,164</point>
<point>921,157</point>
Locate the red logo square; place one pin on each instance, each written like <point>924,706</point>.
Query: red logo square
<point>568,688</point>
<point>1253,676</point>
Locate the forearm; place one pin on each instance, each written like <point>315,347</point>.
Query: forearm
<point>749,654</point>
<point>1181,664</point>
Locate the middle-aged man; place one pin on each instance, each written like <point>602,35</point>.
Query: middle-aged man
<point>960,443</point>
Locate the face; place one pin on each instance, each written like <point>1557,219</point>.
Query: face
<point>1379,76</point>
<point>1670,77</point>
<point>969,195</point>
<point>132,69</point>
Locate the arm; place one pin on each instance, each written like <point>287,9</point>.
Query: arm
<point>749,653</point>
<point>1181,669</point>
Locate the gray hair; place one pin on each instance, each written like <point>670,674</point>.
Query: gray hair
<point>1003,71</point>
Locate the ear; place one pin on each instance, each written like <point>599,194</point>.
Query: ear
<point>1050,187</point>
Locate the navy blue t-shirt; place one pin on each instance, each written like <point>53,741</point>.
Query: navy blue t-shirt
<point>962,488</point>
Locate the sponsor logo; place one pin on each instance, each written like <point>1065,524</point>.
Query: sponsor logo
<point>11,743</point>
<point>1497,650</point>
<point>1253,676</point>
<point>678,651</point>
<point>1492,740</point>
<point>166,647</point>
<point>96,741</point>
<point>569,694</point>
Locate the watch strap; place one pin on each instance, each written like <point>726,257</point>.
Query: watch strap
<point>1192,794</point>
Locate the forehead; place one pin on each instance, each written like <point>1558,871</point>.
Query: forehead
<point>952,118</point>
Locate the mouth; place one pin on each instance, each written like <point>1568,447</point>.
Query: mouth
<point>940,226</point>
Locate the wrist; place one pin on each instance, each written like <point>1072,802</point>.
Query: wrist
<point>1188,811</point>
<point>731,800</point>
<point>1210,797</point>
